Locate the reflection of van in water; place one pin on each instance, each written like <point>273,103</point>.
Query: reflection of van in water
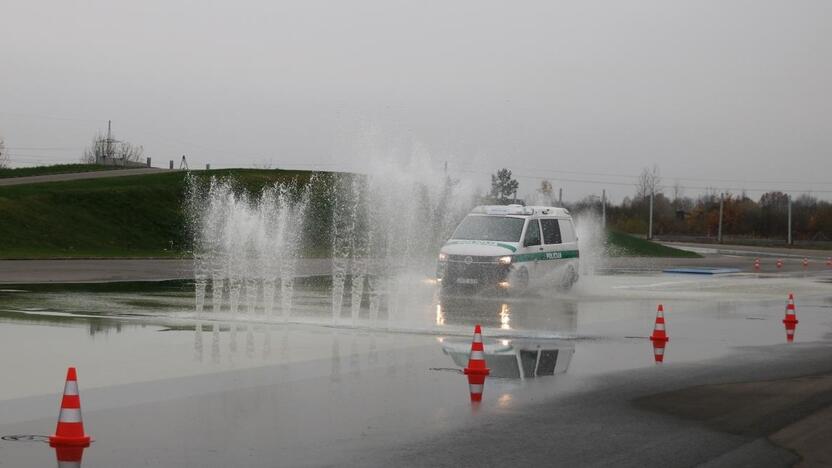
<point>517,358</point>
<point>511,247</point>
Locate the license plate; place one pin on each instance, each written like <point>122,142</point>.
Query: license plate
<point>467,280</point>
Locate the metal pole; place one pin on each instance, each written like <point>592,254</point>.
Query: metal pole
<point>789,198</point>
<point>604,208</point>
<point>719,232</point>
<point>650,226</point>
<point>560,196</point>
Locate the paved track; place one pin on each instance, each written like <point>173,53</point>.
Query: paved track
<point>79,176</point>
<point>154,269</point>
<point>89,270</point>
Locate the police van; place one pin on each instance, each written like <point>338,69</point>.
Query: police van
<point>511,247</point>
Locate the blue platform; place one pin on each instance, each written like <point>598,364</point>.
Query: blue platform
<point>702,270</point>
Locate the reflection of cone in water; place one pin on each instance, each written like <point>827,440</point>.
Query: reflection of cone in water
<point>70,430</point>
<point>791,318</point>
<point>69,457</point>
<point>658,350</point>
<point>476,369</point>
<point>659,331</point>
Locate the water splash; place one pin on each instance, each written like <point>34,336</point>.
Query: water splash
<point>246,248</point>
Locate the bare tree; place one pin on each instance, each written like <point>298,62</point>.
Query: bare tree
<point>546,191</point>
<point>678,191</point>
<point>104,150</point>
<point>648,182</point>
<point>4,156</point>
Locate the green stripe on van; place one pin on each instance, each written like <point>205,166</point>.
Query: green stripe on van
<point>561,255</point>
<point>474,242</point>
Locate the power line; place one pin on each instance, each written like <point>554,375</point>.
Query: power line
<point>631,184</point>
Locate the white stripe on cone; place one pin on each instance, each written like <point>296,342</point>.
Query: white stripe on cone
<point>475,388</point>
<point>71,388</point>
<point>70,415</point>
<point>477,356</point>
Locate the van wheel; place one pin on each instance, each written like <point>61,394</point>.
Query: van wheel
<point>569,278</point>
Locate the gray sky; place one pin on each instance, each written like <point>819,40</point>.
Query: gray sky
<point>726,93</point>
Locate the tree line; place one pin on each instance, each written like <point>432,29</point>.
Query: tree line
<point>674,214</point>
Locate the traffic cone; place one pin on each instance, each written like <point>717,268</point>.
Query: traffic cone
<point>659,332</point>
<point>757,263</point>
<point>476,369</point>
<point>829,261</point>
<point>805,262</point>
<point>791,311</point>
<point>658,351</point>
<point>790,329</point>
<point>70,430</point>
<point>779,263</point>
<point>69,457</point>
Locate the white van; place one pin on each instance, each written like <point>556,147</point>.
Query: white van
<point>511,247</point>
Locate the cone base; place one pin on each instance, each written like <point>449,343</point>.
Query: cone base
<point>62,441</point>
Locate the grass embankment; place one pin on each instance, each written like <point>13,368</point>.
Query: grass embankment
<point>144,216</point>
<point>131,216</point>
<point>620,244</point>
<point>6,173</point>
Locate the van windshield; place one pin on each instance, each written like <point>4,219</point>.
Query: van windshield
<point>490,228</point>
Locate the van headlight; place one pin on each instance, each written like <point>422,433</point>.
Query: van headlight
<point>443,256</point>
<point>504,260</point>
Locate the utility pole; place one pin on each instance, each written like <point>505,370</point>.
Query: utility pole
<point>719,231</point>
<point>108,154</point>
<point>604,208</point>
<point>789,198</point>
<point>650,224</point>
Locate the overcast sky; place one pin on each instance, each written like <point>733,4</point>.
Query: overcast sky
<point>730,94</point>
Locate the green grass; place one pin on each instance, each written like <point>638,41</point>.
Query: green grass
<point>6,173</point>
<point>132,216</point>
<point>620,244</point>
<point>144,216</point>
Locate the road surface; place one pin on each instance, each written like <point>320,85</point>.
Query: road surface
<point>5,182</point>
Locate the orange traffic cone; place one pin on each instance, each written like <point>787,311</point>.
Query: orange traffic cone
<point>70,430</point>
<point>805,262</point>
<point>659,332</point>
<point>779,263</point>
<point>757,263</point>
<point>69,457</point>
<point>476,369</point>
<point>790,329</point>
<point>658,351</point>
<point>791,312</point>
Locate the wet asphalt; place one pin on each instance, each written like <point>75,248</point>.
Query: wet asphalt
<point>305,389</point>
